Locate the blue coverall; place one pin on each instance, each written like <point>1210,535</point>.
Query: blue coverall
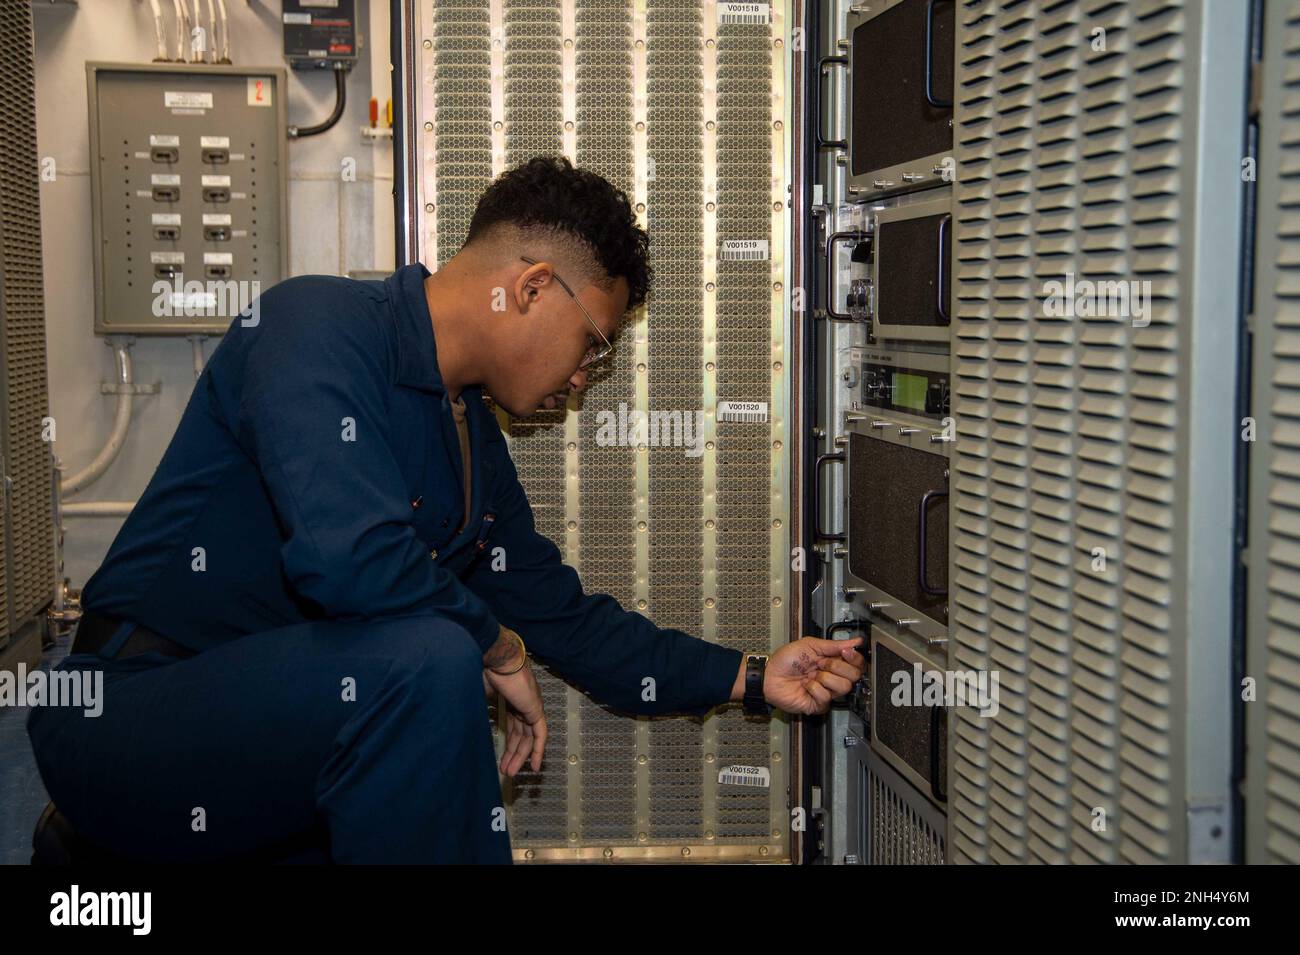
<point>300,533</point>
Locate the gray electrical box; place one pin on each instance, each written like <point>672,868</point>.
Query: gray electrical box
<point>188,190</point>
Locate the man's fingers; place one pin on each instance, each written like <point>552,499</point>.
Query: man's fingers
<point>832,648</point>
<point>513,737</point>
<point>522,745</point>
<point>819,693</point>
<point>539,745</point>
<point>840,667</point>
<point>835,683</point>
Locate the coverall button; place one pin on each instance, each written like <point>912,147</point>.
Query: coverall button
<point>433,554</point>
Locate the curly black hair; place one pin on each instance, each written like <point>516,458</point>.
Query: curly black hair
<point>550,195</point>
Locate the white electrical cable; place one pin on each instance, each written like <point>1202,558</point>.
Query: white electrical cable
<point>225,32</point>
<point>201,39</point>
<point>182,29</point>
<point>159,29</point>
<point>212,22</point>
<point>92,471</point>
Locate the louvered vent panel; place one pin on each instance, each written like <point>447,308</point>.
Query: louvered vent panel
<point>1069,163</point>
<point>1273,636</point>
<point>28,568</point>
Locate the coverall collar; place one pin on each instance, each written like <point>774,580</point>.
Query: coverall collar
<point>417,355</point>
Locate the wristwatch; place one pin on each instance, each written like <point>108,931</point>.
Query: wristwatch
<point>755,666</point>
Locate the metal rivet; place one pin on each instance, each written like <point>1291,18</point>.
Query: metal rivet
<point>640,604</point>
<point>776,366</point>
<point>777,522</point>
<point>686,851</point>
<point>708,601</point>
<point>640,525</point>
<point>777,445</point>
<point>641,759</point>
<point>709,523</point>
<point>708,286</point>
<point>708,366</point>
<point>428,127</point>
<point>428,207</point>
<point>428,44</point>
<point>530,854</point>
<point>573,525</point>
<point>708,757</point>
<point>708,445</point>
<point>776,601</point>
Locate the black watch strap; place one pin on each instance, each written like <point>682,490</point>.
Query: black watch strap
<point>755,667</point>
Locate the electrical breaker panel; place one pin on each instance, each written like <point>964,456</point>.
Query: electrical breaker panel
<point>188,171</point>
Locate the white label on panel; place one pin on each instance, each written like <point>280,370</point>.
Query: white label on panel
<point>742,410</point>
<point>218,258</point>
<point>259,91</point>
<point>165,179</point>
<point>750,14</point>
<point>187,100</point>
<point>167,258</point>
<point>193,301</point>
<point>166,218</point>
<point>156,140</point>
<point>303,19</point>
<point>214,142</point>
<point>142,154</point>
<point>750,250</point>
<point>757,776</point>
<point>216,218</point>
<point>216,180</point>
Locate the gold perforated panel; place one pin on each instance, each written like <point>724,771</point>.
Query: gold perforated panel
<point>29,580</point>
<point>678,111</point>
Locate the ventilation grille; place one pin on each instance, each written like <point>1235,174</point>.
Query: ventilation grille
<point>1070,159</point>
<point>1273,639</point>
<point>27,460</point>
<point>902,829</point>
<point>611,780</point>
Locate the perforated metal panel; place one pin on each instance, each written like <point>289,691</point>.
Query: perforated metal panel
<point>653,95</point>
<point>902,827</point>
<point>1273,642</point>
<point>1092,435</point>
<point>28,557</point>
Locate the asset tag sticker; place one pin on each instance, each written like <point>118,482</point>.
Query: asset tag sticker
<point>755,776</point>
<point>156,139</point>
<point>747,411</point>
<point>746,14</point>
<point>214,142</point>
<point>215,181</point>
<point>173,99</point>
<point>746,250</point>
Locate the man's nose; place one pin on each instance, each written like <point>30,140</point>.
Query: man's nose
<point>579,380</point>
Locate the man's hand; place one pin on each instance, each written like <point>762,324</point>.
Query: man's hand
<point>804,676</point>
<point>525,719</point>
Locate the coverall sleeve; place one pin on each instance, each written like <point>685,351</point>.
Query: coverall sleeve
<point>313,414</point>
<point>588,639</point>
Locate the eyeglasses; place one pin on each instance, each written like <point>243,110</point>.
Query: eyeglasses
<point>594,354</point>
